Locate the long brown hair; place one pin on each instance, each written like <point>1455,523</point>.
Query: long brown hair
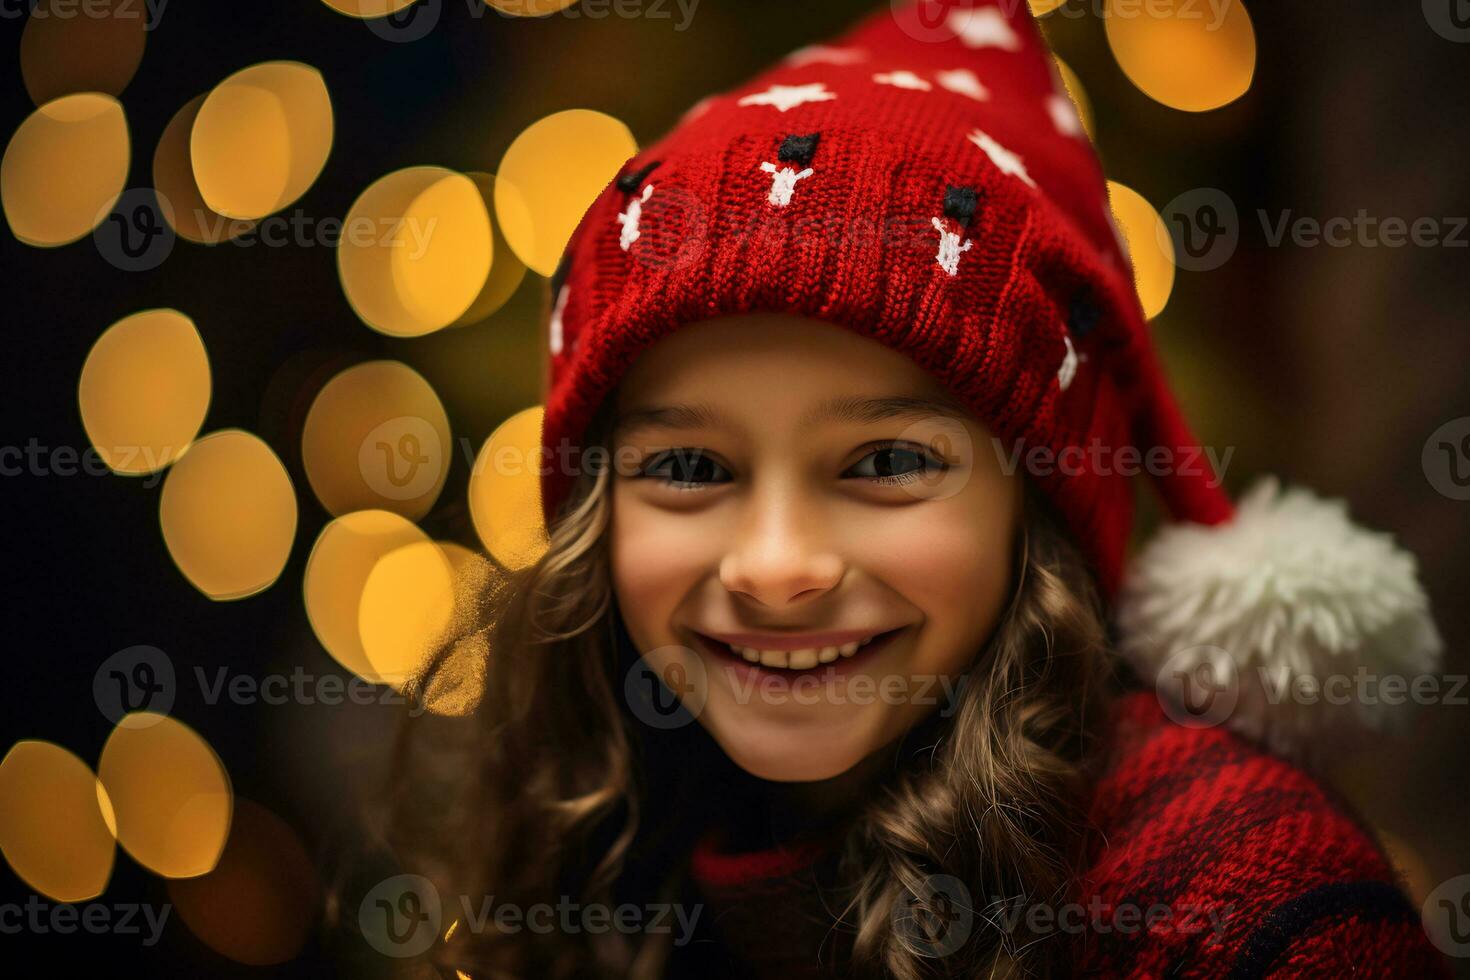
<point>553,787</point>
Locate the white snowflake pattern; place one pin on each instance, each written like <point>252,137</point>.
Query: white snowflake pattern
<point>783,182</point>
<point>1068,369</point>
<point>950,248</point>
<point>1006,161</point>
<point>1064,115</point>
<point>630,217</point>
<point>902,79</point>
<point>556,314</point>
<point>984,27</point>
<point>784,97</point>
<point>963,81</point>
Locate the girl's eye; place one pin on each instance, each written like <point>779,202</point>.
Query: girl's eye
<point>686,469</point>
<point>895,465</point>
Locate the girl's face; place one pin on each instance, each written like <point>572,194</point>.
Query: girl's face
<point>812,530</point>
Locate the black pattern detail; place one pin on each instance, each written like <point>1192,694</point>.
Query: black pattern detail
<point>1084,314</point>
<point>798,149</point>
<point>1373,900</point>
<point>630,182</point>
<point>959,203</point>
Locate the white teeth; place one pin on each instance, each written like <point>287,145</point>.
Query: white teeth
<point>803,659</point>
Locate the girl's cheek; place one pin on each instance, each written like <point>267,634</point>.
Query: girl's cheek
<point>657,560</point>
<point>950,558</point>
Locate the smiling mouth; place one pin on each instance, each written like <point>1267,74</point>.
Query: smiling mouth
<point>804,658</point>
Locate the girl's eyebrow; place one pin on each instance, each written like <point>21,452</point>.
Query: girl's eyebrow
<point>852,408</point>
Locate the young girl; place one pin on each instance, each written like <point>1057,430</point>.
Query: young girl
<point>847,381</point>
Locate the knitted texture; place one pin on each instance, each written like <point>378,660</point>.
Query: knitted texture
<point>923,182</point>
<point>1209,859</point>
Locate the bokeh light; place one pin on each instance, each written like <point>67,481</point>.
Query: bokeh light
<point>228,513</point>
<point>376,436</point>
<point>505,491</point>
<point>1080,102</point>
<point>171,797</point>
<point>64,169</point>
<point>64,51</point>
<point>337,571</point>
<point>145,390</point>
<point>406,605</point>
<point>506,271</point>
<point>53,830</point>
<point>1183,54</point>
<point>457,684</point>
<point>259,904</point>
<point>261,138</point>
<point>1149,246</point>
<point>416,251</point>
<point>173,179</point>
<point>529,8</point>
<point>551,174</point>
<point>368,9</point>
<point>445,250</point>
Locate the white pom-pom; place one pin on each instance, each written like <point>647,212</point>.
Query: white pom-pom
<point>1289,623</point>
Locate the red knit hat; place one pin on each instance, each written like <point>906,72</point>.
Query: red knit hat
<point>925,182</point>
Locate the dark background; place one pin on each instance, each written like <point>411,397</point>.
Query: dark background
<point>1329,366</point>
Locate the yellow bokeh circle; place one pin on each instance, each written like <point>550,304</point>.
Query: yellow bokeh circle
<point>261,138</point>
<point>505,491</point>
<point>171,797</point>
<point>1150,249</point>
<point>228,513</point>
<point>1080,102</point>
<point>337,572</point>
<point>368,9</point>
<point>377,436</point>
<point>407,603</point>
<point>529,8</point>
<point>145,390</point>
<point>550,174</point>
<point>416,251</point>
<point>1187,55</point>
<point>53,828</point>
<point>64,169</point>
<point>506,271</point>
<point>173,179</point>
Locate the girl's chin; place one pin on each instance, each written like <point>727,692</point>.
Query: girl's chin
<point>785,753</point>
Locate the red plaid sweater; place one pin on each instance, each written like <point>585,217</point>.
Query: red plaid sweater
<point>1210,859</point>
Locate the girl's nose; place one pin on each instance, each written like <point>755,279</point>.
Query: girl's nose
<point>779,558</point>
